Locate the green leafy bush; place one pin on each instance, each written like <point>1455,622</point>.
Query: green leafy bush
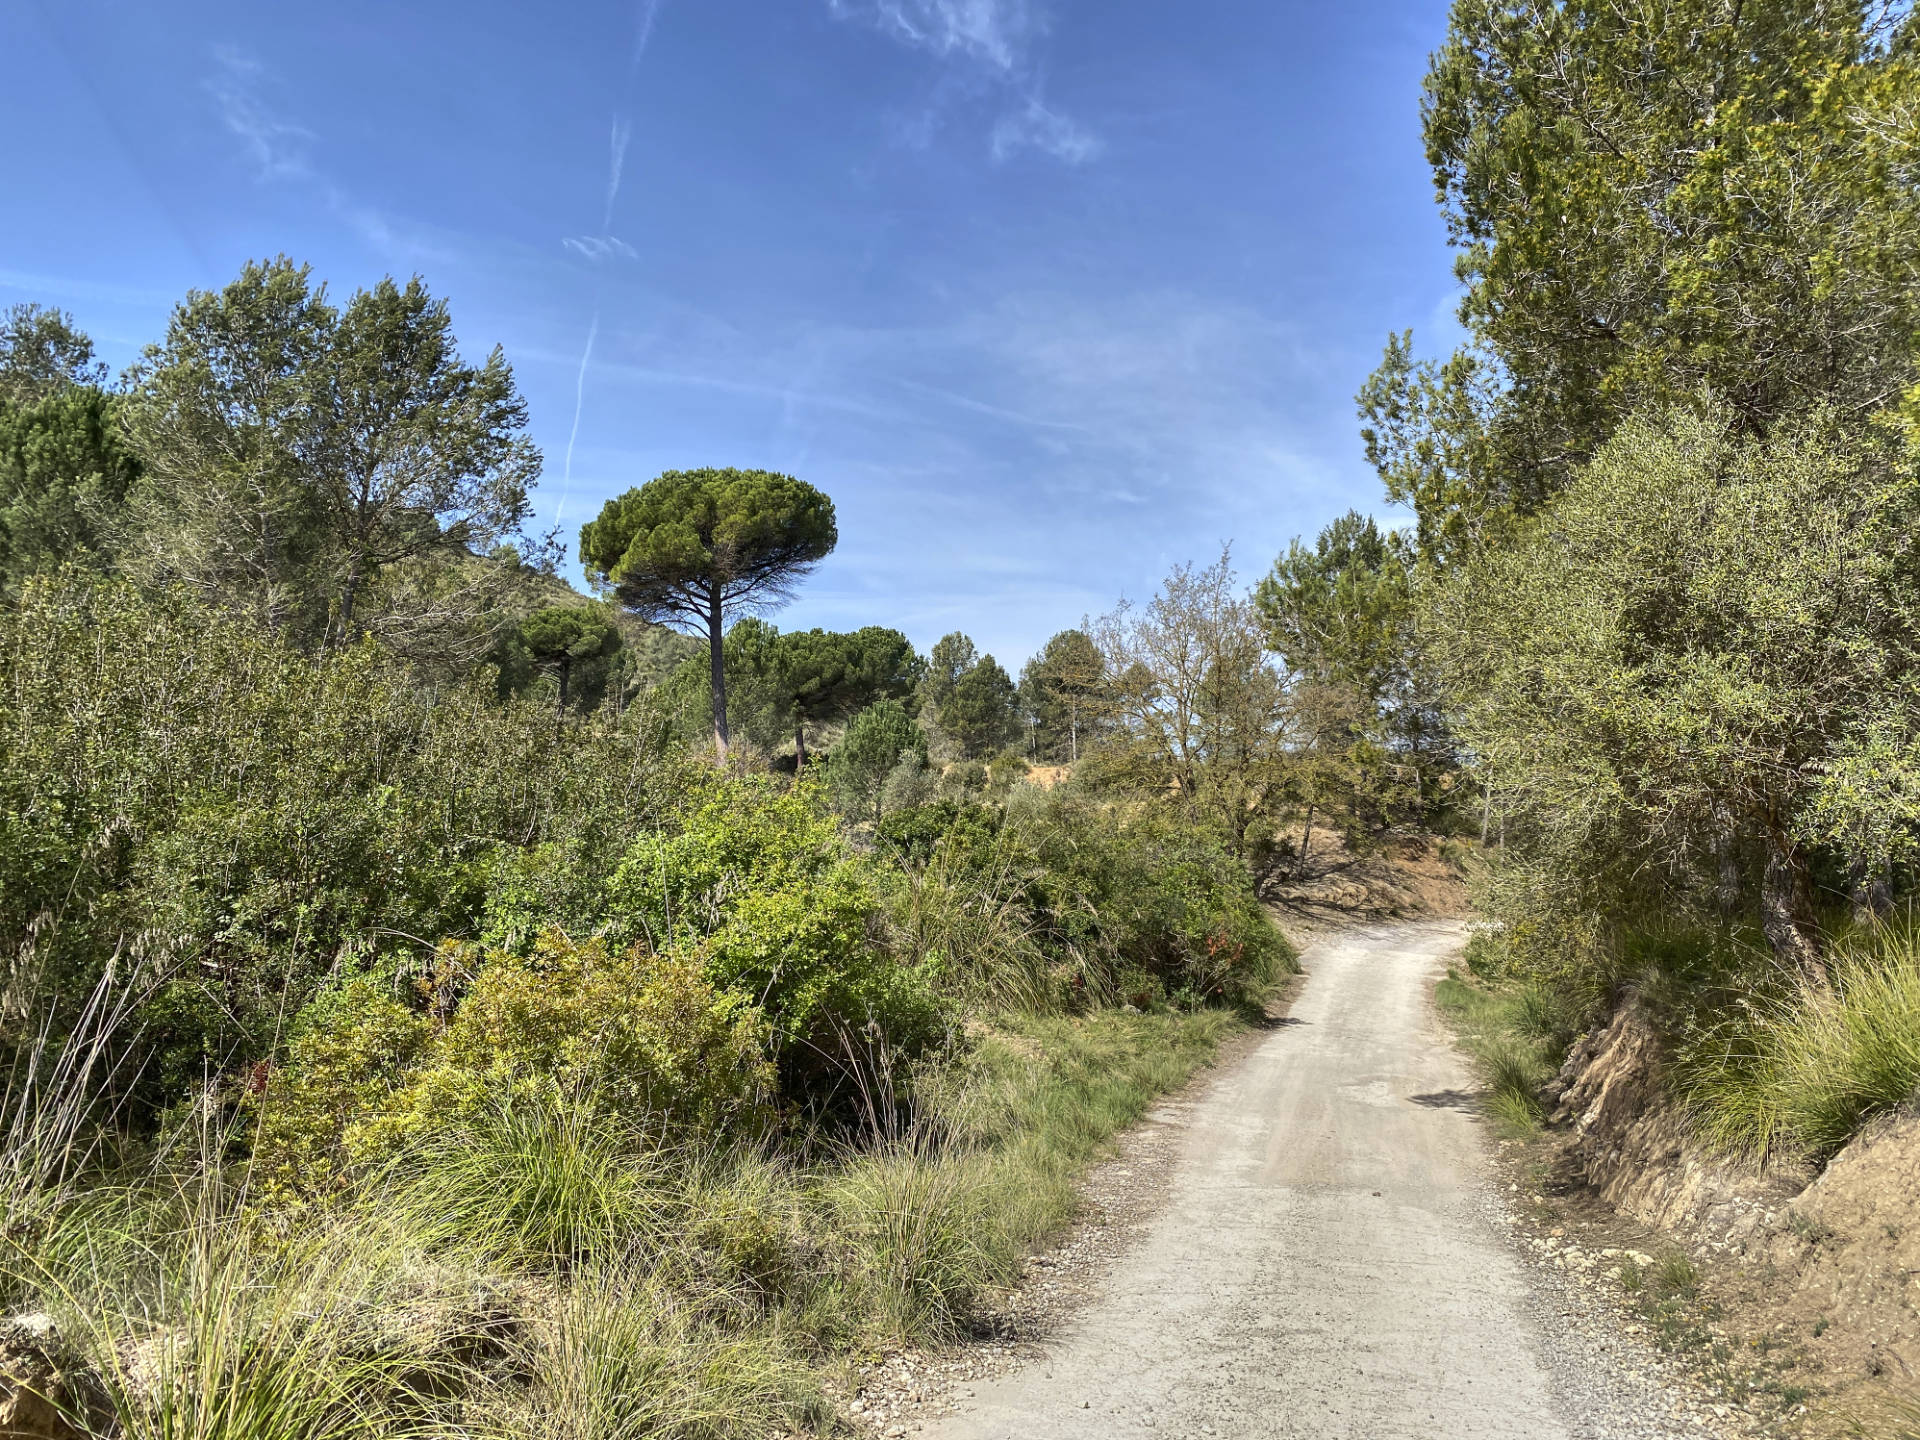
<point>349,1051</point>
<point>1078,891</point>
<point>757,881</point>
<point>636,1035</point>
<point>180,783</point>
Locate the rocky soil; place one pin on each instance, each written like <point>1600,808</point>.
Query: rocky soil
<point>1804,1317</point>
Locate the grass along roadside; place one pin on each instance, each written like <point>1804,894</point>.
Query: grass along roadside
<point>1514,1038</point>
<point>616,1289</point>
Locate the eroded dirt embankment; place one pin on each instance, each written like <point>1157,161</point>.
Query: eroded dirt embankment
<point>1815,1276</point>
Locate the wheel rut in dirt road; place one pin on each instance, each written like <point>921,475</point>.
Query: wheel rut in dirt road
<point>1326,1264</point>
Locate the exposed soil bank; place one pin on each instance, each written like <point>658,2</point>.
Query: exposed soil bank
<point>1817,1272</point>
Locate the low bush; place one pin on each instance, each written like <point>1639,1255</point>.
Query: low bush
<point>1052,899</point>
<point>628,1038</point>
<point>757,881</point>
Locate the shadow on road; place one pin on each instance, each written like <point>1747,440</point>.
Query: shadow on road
<point>1467,1102</point>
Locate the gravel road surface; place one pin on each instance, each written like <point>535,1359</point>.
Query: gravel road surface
<point>1330,1261</point>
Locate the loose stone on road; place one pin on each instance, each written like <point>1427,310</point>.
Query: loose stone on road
<point>1328,1263</point>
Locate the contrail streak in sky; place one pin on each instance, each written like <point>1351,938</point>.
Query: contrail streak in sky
<point>622,124</point>
<point>579,404</point>
<point>616,170</point>
<point>622,132</point>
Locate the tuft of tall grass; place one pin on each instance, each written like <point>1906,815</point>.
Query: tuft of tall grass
<point>223,1332</point>
<point>1806,1072</point>
<point>1512,1037</point>
<point>1898,1419</point>
<point>535,1181</point>
<point>538,1269</point>
<point>1674,1274</point>
<point>624,1357</point>
<point>976,929</point>
<point>915,1220</point>
<point>922,1230</point>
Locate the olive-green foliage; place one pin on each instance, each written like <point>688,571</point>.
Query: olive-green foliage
<point>813,676</point>
<point>1050,899</point>
<point>293,452</point>
<point>639,1034</point>
<point>1702,649</point>
<point>785,686</point>
<point>1366,710</point>
<point>1338,611</point>
<point>184,785</point>
<point>689,537</point>
<point>64,476</point>
<point>638,1037</point>
<point>1648,200</point>
<point>690,1289</point>
<point>350,1050</point>
<point>42,354</point>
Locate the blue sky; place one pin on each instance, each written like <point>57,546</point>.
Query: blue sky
<point>1049,295</point>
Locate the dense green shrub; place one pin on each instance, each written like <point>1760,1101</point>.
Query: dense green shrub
<point>758,881</point>
<point>1058,897</point>
<point>350,1050</point>
<point>179,784</point>
<point>642,1036</point>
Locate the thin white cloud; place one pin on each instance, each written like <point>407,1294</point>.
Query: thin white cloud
<point>600,247</point>
<point>1035,127</point>
<point>643,30</point>
<point>995,33</point>
<point>994,41</point>
<point>276,146</point>
<point>606,245</point>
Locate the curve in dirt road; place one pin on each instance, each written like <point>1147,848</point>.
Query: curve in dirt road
<point>1327,1263</point>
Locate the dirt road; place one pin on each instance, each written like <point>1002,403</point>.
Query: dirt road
<point>1328,1263</point>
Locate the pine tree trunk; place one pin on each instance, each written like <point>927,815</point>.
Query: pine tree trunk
<point>1306,839</point>
<point>719,673</point>
<point>799,744</point>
